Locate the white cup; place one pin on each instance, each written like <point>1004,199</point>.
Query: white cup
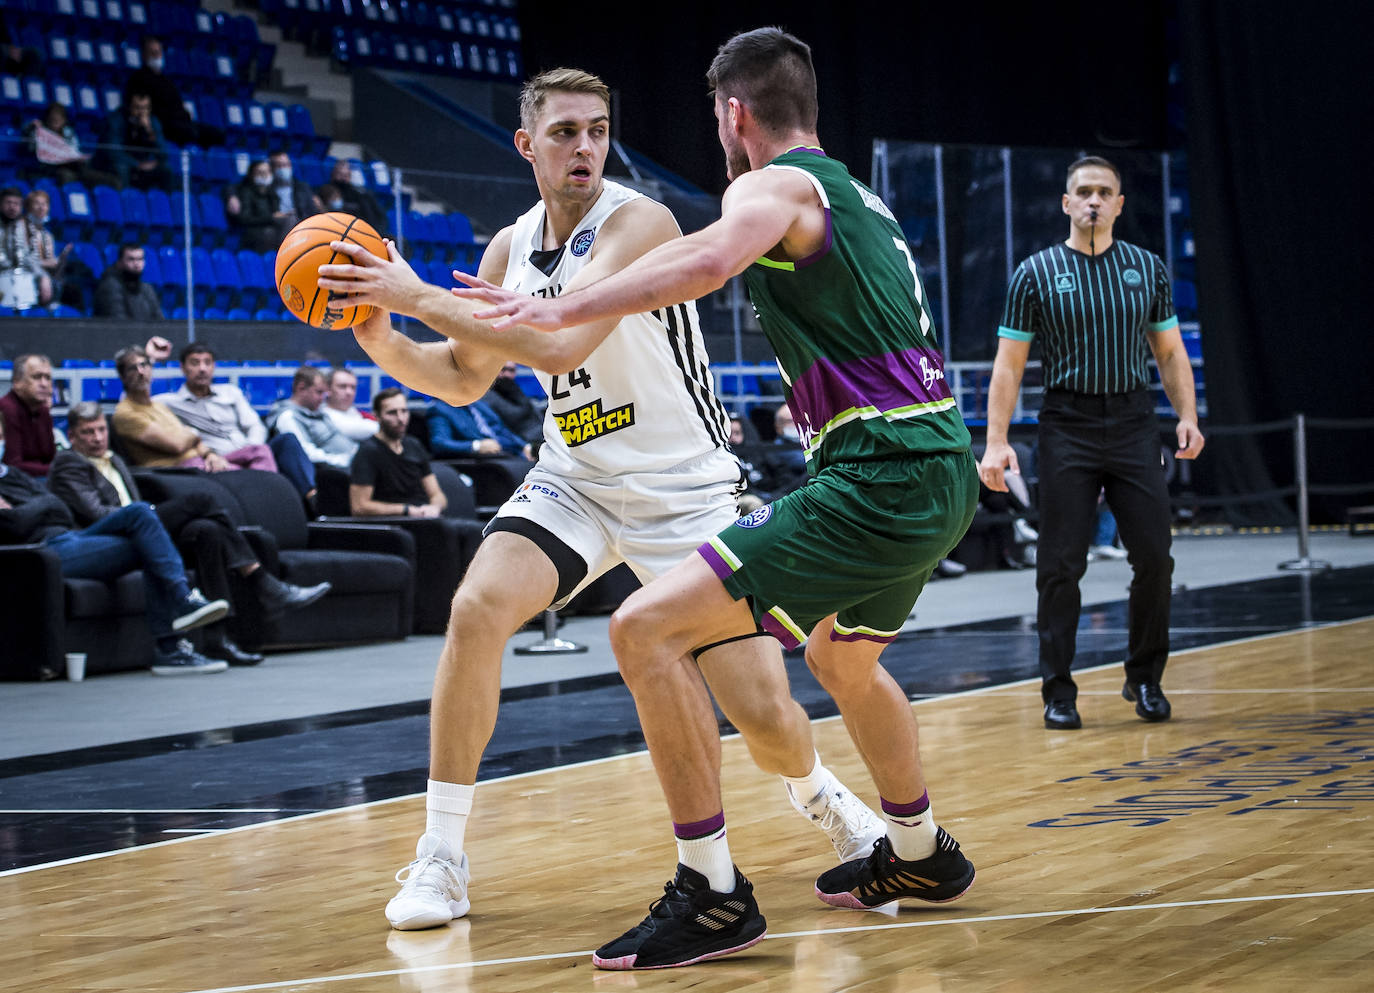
<point>76,666</point>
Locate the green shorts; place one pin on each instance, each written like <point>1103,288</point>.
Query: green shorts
<point>859,540</point>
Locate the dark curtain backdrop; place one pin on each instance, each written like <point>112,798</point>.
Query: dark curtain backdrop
<point>1279,105</point>
<point>1278,114</point>
<point>1062,72</point>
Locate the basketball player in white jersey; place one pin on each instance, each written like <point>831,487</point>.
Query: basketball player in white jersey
<point>633,469</point>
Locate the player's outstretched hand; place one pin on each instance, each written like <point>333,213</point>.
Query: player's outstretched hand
<point>387,283</point>
<point>509,308</point>
<point>999,458</point>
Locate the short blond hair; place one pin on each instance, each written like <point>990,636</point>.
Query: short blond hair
<point>536,91</point>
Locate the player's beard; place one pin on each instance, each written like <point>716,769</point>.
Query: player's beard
<point>736,159</point>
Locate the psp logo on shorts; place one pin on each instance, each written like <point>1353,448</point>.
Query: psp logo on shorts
<point>756,518</point>
<point>1131,278</point>
<point>1065,282</point>
<point>582,244</point>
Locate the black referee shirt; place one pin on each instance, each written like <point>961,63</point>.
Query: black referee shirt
<point>1090,314</point>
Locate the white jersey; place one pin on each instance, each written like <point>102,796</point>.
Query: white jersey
<point>644,400</point>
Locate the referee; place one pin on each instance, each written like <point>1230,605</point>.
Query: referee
<point>1099,307</point>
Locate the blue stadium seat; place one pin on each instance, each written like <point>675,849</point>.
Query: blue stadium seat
<point>172,263</point>
<point>161,220</point>
<point>152,268</point>
<point>108,212</point>
<point>91,256</point>
<point>134,204</point>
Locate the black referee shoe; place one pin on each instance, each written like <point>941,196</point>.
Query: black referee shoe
<point>689,923</point>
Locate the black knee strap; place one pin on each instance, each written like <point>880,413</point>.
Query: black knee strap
<point>697,653</point>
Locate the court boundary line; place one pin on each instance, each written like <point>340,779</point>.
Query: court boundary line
<point>785,935</point>
<point>352,808</point>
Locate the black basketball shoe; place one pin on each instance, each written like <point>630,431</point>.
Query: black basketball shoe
<point>882,877</point>
<point>689,923</point>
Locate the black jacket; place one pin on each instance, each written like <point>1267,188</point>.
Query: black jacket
<point>76,481</point>
<point>34,515</point>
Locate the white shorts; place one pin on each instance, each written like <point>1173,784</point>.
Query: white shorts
<point>651,521</point>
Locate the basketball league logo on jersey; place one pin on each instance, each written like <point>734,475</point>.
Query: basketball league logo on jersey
<point>1065,282</point>
<point>582,244</point>
<point>757,517</point>
<point>1131,278</point>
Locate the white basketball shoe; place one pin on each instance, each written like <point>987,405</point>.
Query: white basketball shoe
<point>849,823</point>
<point>434,888</point>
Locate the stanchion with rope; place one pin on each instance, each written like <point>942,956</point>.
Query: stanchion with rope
<point>1303,563</point>
<point>551,644</point>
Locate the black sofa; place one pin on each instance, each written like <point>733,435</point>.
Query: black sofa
<point>371,566</point>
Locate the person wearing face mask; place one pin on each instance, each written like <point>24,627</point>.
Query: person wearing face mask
<point>251,207</point>
<point>135,147</point>
<point>168,107</point>
<point>294,200</point>
<point>341,194</point>
<point>783,465</point>
<point>122,291</point>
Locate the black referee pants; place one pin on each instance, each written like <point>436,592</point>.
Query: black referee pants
<point>1088,443</point>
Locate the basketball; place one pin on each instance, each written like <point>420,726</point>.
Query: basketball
<point>304,249</point>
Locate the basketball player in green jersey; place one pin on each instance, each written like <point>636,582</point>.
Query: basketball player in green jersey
<point>838,563</point>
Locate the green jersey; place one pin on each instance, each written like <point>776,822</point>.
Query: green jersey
<point>852,331</point>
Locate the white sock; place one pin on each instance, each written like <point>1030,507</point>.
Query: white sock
<point>447,806</point>
<point>709,856</point>
<point>806,788</point>
<point>912,835</point>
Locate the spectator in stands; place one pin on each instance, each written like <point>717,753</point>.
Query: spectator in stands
<point>456,432</point>
<point>122,292</point>
<point>150,432</point>
<point>295,200</point>
<point>57,151</point>
<point>353,199</point>
<point>24,280</point>
<point>515,407</point>
<point>391,473</point>
<point>16,60</point>
<point>94,483</point>
<point>783,463</point>
<point>26,411</point>
<point>302,416</point>
<point>339,406</point>
<point>136,150</point>
<point>253,208</point>
<point>167,105</point>
<point>752,498</point>
<point>130,538</point>
<point>67,273</point>
<point>224,419</point>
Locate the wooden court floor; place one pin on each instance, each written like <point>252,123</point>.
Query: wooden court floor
<point>1229,849</point>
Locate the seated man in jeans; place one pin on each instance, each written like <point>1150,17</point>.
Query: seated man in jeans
<point>95,483</point>
<point>130,538</point>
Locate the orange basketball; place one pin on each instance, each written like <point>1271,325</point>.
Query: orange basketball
<point>304,249</point>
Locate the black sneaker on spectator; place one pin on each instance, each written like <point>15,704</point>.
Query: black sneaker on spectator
<point>196,611</point>
<point>183,660</point>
